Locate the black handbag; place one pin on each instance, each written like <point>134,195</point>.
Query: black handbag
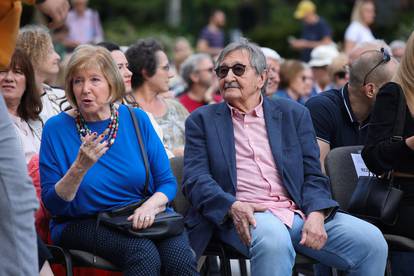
<point>166,224</point>
<point>378,198</point>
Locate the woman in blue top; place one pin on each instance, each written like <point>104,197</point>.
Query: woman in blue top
<point>90,162</point>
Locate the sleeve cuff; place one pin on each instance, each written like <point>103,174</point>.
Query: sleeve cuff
<point>55,204</point>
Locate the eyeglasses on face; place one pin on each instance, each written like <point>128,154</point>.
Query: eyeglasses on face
<point>238,69</point>
<point>386,57</point>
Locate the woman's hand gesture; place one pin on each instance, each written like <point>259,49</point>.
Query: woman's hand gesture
<point>91,149</point>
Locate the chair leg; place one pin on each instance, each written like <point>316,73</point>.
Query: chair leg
<point>243,267</point>
<point>68,266</point>
<point>63,257</point>
<point>388,268</point>
<point>225,266</point>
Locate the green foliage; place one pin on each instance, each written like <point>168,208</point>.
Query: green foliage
<point>274,33</point>
<point>125,21</point>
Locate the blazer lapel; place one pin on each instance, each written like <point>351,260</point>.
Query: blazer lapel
<point>273,120</point>
<point>225,134</point>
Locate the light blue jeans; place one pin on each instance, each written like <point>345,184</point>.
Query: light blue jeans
<point>353,245</point>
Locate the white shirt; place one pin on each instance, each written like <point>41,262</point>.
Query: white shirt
<point>28,139</point>
<point>358,33</point>
<point>51,99</point>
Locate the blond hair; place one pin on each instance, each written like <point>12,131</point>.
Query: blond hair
<point>35,41</point>
<point>357,10</point>
<point>405,73</point>
<point>86,57</point>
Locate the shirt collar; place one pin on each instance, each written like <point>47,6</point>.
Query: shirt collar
<point>257,111</point>
<point>345,98</point>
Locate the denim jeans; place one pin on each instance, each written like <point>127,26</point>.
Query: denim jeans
<point>353,245</point>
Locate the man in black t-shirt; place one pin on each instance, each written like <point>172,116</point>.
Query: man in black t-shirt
<point>340,116</point>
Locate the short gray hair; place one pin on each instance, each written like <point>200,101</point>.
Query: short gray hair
<point>256,56</point>
<point>190,65</point>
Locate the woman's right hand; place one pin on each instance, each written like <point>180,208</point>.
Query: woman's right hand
<point>91,149</point>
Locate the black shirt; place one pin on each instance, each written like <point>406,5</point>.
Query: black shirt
<point>380,153</point>
<point>334,121</point>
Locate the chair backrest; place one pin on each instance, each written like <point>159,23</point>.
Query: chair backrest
<point>341,171</point>
<point>180,203</point>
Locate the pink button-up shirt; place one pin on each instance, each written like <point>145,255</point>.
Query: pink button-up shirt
<point>258,179</point>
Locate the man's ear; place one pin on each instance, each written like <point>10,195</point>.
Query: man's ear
<point>194,77</point>
<point>370,90</point>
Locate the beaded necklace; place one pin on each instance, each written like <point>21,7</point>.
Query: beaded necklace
<point>110,132</point>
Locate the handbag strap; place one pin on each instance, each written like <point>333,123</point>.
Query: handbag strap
<point>398,130</point>
<point>142,148</point>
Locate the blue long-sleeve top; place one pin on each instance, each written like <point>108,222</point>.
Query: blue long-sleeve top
<point>115,180</point>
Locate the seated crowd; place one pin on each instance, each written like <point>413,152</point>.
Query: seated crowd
<point>253,129</point>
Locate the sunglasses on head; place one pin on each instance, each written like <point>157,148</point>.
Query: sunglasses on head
<point>238,69</point>
<point>385,58</point>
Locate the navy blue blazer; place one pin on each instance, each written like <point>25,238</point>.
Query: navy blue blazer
<point>209,180</point>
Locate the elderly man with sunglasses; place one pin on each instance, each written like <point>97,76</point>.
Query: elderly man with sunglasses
<point>252,175</point>
<point>340,116</point>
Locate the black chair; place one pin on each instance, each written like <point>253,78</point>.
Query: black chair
<point>341,171</point>
<point>215,247</point>
<point>78,258</point>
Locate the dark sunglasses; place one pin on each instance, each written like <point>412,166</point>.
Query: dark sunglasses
<point>385,58</point>
<point>238,69</point>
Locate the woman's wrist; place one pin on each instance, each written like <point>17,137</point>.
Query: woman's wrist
<point>78,168</point>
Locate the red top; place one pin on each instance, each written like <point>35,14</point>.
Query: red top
<point>189,103</point>
<point>192,105</point>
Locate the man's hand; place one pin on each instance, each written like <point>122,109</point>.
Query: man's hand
<point>313,232</point>
<point>243,216</point>
<point>56,10</point>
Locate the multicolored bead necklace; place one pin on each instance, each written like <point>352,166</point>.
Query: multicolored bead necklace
<point>110,132</point>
